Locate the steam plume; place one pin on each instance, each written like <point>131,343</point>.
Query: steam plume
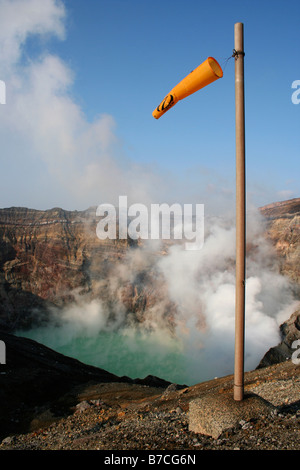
<point>184,330</point>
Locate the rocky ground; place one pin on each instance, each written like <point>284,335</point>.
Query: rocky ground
<point>124,416</point>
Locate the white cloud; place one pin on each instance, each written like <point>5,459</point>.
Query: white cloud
<point>20,19</point>
<point>81,161</point>
<point>285,194</point>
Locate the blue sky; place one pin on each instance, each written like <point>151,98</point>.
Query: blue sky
<point>83,78</point>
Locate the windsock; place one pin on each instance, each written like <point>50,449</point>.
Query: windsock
<point>203,75</point>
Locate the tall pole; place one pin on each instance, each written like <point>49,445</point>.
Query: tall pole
<point>238,392</point>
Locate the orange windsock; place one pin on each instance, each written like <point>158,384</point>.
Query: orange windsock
<point>203,75</point>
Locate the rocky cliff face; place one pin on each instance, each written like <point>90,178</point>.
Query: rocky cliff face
<point>283,229</point>
<point>49,259</point>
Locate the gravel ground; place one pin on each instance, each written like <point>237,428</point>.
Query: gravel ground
<point>104,429</point>
<point>160,421</point>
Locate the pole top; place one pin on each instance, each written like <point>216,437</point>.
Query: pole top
<point>239,39</point>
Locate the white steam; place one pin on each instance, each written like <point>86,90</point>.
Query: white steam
<point>203,286</point>
<point>185,333</point>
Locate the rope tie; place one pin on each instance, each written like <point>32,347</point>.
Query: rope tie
<point>237,53</point>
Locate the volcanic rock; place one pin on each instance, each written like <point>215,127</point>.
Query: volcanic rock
<point>283,230</point>
<point>53,258</point>
<point>290,332</point>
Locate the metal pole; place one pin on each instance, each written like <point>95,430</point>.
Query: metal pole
<point>240,212</point>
